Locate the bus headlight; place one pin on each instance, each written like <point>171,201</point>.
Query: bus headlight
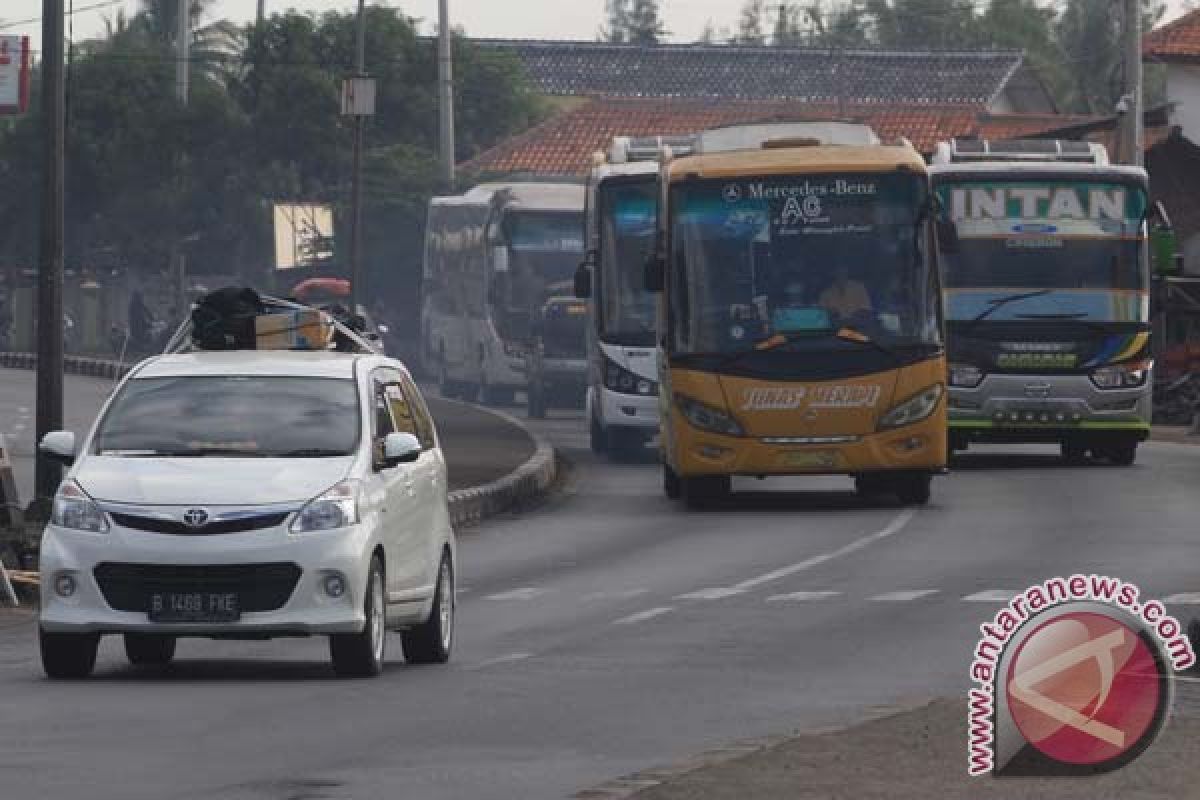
<point>707,418</point>
<point>914,409</point>
<point>619,379</point>
<point>1121,376</point>
<point>966,376</point>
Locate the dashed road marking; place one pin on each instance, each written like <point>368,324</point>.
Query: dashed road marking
<point>1183,599</point>
<point>524,593</point>
<point>800,597</point>
<point>642,616</point>
<point>710,594</point>
<point>506,659</point>
<point>894,527</point>
<point>902,596</point>
<point>615,594</point>
<point>991,596</point>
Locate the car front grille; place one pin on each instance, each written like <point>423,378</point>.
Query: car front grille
<point>260,587</point>
<point>179,528</point>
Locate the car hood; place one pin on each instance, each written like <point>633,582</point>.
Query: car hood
<point>209,481</point>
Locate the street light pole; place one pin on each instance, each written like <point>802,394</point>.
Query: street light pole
<point>50,248</point>
<point>446,95</point>
<point>1131,133</point>
<point>356,293</point>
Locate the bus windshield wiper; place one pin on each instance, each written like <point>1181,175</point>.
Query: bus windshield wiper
<point>1079,318</point>
<point>996,303</point>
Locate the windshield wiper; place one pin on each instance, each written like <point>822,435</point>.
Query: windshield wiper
<point>204,453</point>
<point>1079,318</point>
<point>309,452</point>
<point>996,303</point>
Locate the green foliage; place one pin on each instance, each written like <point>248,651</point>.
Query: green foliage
<point>263,126</point>
<point>633,22</point>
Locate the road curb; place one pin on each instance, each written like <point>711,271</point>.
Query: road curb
<point>524,485</point>
<point>1173,434</point>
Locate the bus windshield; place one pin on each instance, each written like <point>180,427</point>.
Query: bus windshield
<point>800,257</point>
<point>628,214</point>
<point>547,246</point>
<point>1069,250</point>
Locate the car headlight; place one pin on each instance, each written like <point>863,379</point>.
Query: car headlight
<point>619,379</point>
<point>914,409</point>
<point>336,508</point>
<point>1121,376</point>
<point>73,509</point>
<point>966,376</point>
<point>707,418</point>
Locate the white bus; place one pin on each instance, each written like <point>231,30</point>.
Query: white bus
<point>491,258</point>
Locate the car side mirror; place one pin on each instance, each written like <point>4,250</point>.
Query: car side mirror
<point>59,446</point>
<point>655,272</point>
<point>400,448</point>
<point>947,236</point>
<point>583,280</point>
<point>383,329</point>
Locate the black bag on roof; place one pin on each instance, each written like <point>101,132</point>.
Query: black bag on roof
<point>224,319</point>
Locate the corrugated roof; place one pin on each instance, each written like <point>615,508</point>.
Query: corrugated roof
<point>860,77</point>
<point>564,144</point>
<point>1176,41</point>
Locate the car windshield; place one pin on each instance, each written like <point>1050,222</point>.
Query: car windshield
<point>800,255</point>
<point>1080,241</point>
<point>628,211</point>
<point>232,416</point>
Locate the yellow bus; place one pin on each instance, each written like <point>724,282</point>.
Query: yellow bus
<point>801,327</point>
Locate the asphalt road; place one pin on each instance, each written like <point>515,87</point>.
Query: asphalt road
<point>479,448</point>
<point>609,631</point>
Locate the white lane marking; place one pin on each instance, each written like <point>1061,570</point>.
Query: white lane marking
<point>902,597</point>
<point>991,596</point>
<point>709,594</point>
<point>23,411</point>
<point>800,597</point>
<point>524,593</point>
<point>894,527</point>
<point>508,659</point>
<point>1183,599</point>
<point>642,616</point>
<point>615,594</point>
<point>462,589</point>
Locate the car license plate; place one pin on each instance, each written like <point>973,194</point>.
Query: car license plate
<point>810,459</point>
<point>194,607</point>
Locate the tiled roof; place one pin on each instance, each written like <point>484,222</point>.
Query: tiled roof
<point>564,144</point>
<point>857,77</point>
<point>1176,41</point>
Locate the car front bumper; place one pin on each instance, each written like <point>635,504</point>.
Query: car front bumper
<point>307,609</point>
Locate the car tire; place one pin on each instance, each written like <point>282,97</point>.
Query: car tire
<point>871,485</point>
<point>672,486</point>
<point>597,438</point>
<point>149,649</point>
<point>706,491</point>
<point>1121,454</point>
<point>914,490</point>
<point>1074,452</point>
<point>68,656</point>
<point>361,655</point>
<point>432,641</point>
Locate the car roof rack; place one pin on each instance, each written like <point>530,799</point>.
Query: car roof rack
<point>960,151</point>
<point>181,340</point>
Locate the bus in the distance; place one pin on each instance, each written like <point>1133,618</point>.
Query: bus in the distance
<point>1044,254</point>
<point>493,257</point>
<point>801,319</point>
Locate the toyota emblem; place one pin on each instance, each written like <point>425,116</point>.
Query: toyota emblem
<point>195,518</point>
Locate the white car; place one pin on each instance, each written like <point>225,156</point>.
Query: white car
<point>252,495</point>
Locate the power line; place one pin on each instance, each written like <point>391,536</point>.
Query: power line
<point>93,7</point>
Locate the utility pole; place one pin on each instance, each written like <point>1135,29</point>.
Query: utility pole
<point>356,288</point>
<point>446,95</point>
<point>50,248</point>
<point>183,49</point>
<point>183,64</point>
<point>1131,122</point>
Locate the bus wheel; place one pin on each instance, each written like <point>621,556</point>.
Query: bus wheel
<point>671,487</point>
<point>914,490</point>
<point>535,403</point>
<point>705,491</point>
<point>869,485</point>
<point>1074,452</point>
<point>1122,454</point>
<point>597,438</point>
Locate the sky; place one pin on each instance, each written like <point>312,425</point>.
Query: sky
<point>519,19</point>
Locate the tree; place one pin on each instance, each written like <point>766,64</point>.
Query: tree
<point>616,13</point>
<point>928,24</point>
<point>1089,35</point>
<point>750,25</point>
<point>786,31</point>
<point>645,24</point>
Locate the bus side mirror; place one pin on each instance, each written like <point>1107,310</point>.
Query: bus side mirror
<point>947,236</point>
<point>1164,252</point>
<point>655,273</point>
<point>583,279</point>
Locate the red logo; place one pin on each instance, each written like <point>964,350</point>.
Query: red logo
<point>1086,689</point>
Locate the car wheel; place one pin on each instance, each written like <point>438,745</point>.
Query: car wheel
<point>1074,452</point>
<point>149,649</point>
<point>914,490</point>
<point>68,655</point>
<point>597,438</point>
<point>671,484</point>
<point>361,655</point>
<point>431,641</point>
<point>705,491</point>
<point>1122,454</point>
<point>870,485</point>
